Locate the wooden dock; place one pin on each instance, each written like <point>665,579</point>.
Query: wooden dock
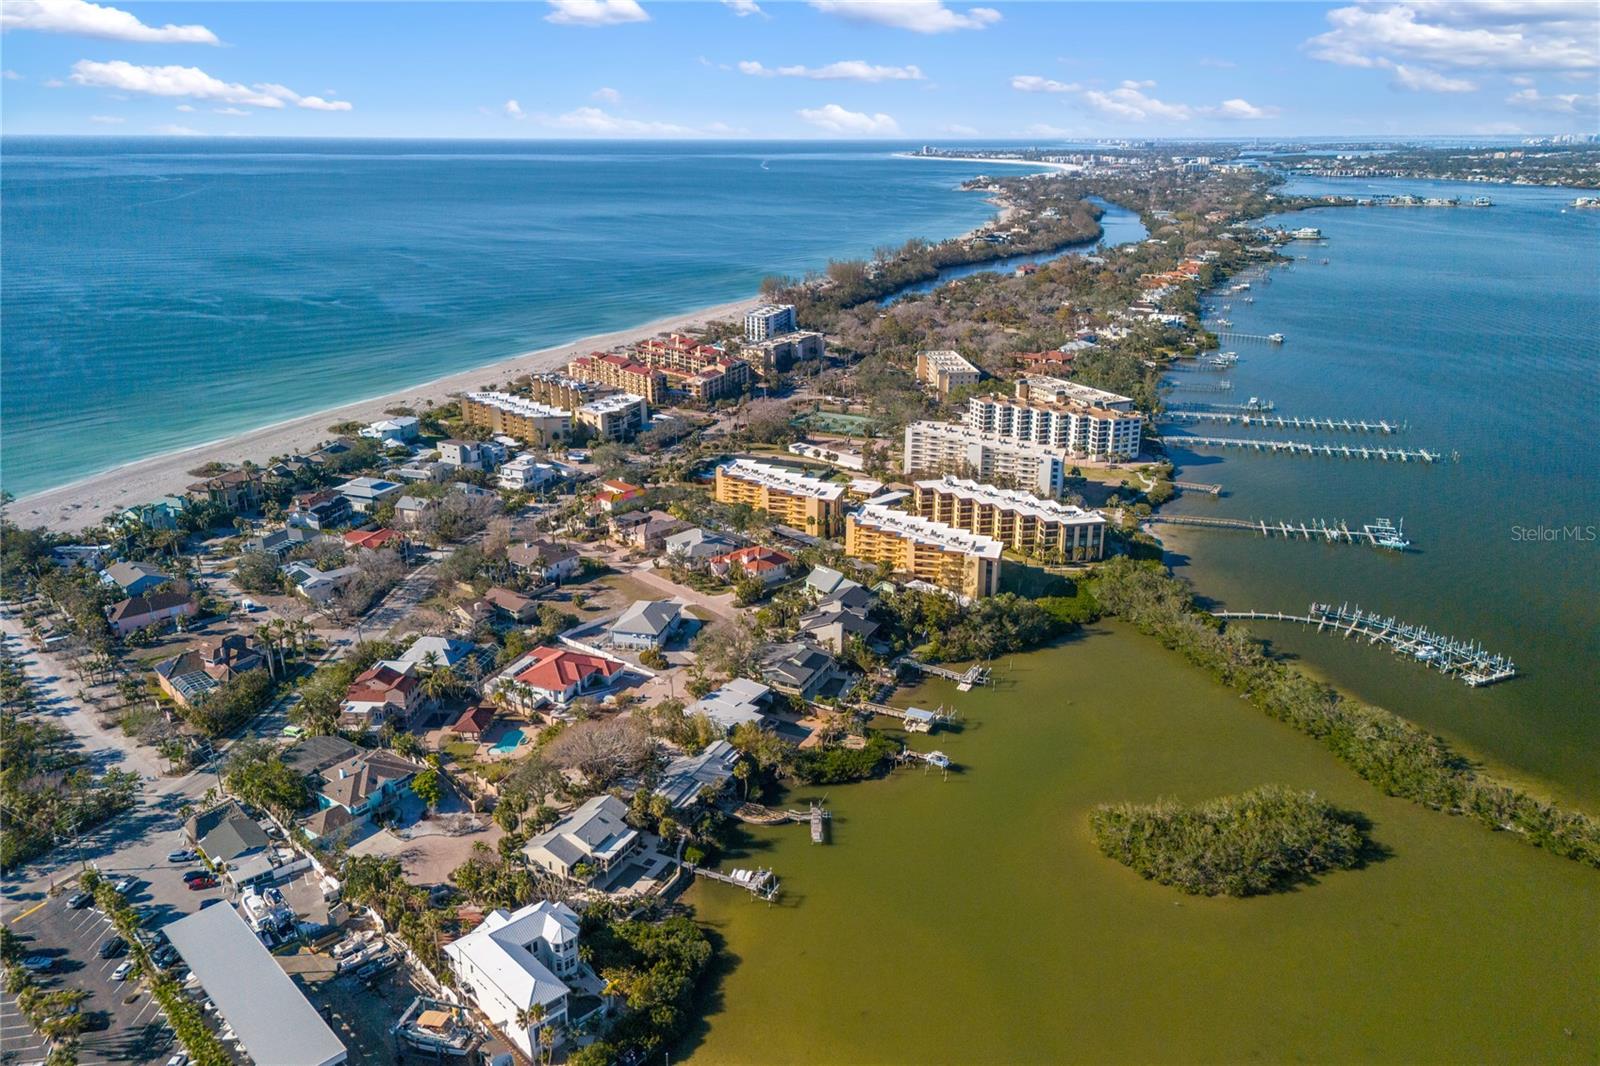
<point>965,680</point>
<point>1199,386</point>
<point>1253,418</point>
<point>1463,659</point>
<point>1198,486</point>
<point>1379,534</point>
<point>1324,450</point>
<point>760,882</point>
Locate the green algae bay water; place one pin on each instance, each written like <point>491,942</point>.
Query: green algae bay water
<point>973,920</point>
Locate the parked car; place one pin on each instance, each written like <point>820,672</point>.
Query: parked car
<point>195,875</point>
<point>375,967</point>
<point>121,972</point>
<point>183,855</point>
<point>123,884</point>
<point>202,882</point>
<point>113,947</point>
<point>38,963</point>
<point>165,956</point>
<point>80,900</point>
<point>180,1059</point>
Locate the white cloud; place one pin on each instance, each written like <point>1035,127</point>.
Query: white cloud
<point>186,108</point>
<point>608,95</point>
<point>11,75</point>
<point>84,19</point>
<point>1032,83</point>
<point>54,83</point>
<point>174,130</point>
<point>919,16</point>
<point>959,130</point>
<point>1484,35</point>
<point>107,120</point>
<point>513,109</point>
<point>1044,129</point>
<point>194,83</point>
<point>743,7</point>
<point>1556,103</point>
<point>595,12</point>
<point>836,119</point>
<point>1217,63</point>
<point>594,120</point>
<point>228,111</point>
<point>1131,103</point>
<point>1423,80</point>
<point>844,70</point>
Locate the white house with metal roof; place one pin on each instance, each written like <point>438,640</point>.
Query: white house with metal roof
<point>516,961</point>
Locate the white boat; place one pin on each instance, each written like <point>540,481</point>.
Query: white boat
<point>1275,338</point>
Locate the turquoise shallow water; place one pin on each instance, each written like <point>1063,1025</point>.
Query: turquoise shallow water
<point>1477,327</point>
<point>162,293</point>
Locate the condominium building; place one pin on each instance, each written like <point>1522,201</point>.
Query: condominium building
<point>1080,429</point>
<point>967,564</point>
<point>768,320</point>
<point>701,372</point>
<point>528,420</point>
<point>1023,522</point>
<point>559,390</point>
<point>620,372</point>
<point>806,503</point>
<point>944,370</point>
<point>616,417</point>
<point>1041,388</point>
<point>952,448</point>
<point>714,381</point>
<point>776,355</point>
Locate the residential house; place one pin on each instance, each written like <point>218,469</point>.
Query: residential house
<point>834,623</point>
<point>166,513</point>
<point>366,493</point>
<point>518,964</point>
<point>695,546</point>
<point>155,608</point>
<point>545,559</point>
<point>400,429</point>
<point>420,470</point>
<point>373,540</point>
<point>367,782</point>
<point>689,778</point>
<point>554,677</point>
<point>318,586</point>
<point>646,624</point>
<point>612,494</point>
<point>227,835</point>
<point>282,542</point>
<point>188,677</point>
<point>384,692</point>
<point>526,473</point>
<point>644,530</point>
<point>445,651</point>
<point>409,511</point>
<point>474,722</point>
<point>736,703</point>
<point>323,509</point>
<point>803,670</point>
<point>825,581</point>
<point>462,454</point>
<point>768,565</point>
<point>587,845</point>
<point>236,490</point>
<point>511,604</point>
<point>134,579</point>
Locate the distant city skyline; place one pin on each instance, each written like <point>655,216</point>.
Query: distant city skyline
<point>905,70</point>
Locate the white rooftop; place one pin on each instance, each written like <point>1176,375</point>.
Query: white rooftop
<point>518,405</point>
<point>783,479</point>
<point>1016,500</point>
<point>502,948</point>
<point>610,404</point>
<point>945,359</point>
<point>1077,391</point>
<point>926,531</point>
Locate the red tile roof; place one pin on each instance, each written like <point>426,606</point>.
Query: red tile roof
<point>380,684</point>
<point>372,538</point>
<point>755,559</point>
<point>558,669</point>
<point>474,720</point>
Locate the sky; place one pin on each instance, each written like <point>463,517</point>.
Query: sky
<point>907,70</point>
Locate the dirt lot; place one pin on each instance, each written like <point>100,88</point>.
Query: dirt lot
<point>360,1012</point>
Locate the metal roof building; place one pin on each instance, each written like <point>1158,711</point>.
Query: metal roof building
<point>276,1024</point>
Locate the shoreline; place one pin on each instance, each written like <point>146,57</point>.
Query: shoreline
<point>88,500</point>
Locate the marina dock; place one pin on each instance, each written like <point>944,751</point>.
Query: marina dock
<point>1266,338</point>
<point>1198,386</point>
<point>1458,658</point>
<point>1330,451</point>
<point>1379,534</point>
<point>1252,418</point>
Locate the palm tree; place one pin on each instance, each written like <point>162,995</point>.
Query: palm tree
<point>532,1018</point>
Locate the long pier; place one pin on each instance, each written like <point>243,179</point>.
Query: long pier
<point>1256,406</point>
<point>760,882</point>
<point>1254,418</point>
<point>1269,338</point>
<point>965,680</point>
<point>1201,366</point>
<point>1331,451</point>
<point>1379,534</point>
<point>1463,659</point>
<point>1198,486</point>
<point>1198,386</point>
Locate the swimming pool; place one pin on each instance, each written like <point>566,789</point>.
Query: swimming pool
<point>508,743</point>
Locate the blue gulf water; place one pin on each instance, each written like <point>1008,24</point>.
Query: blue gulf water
<point>1478,327</point>
<point>162,293</point>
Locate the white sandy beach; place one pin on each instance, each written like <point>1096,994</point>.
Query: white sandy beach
<point>84,503</point>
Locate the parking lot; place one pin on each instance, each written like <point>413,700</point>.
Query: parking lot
<point>360,1012</point>
<point>123,1022</point>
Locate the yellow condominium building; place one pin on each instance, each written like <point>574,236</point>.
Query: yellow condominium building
<point>528,420</point>
<point>808,504</point>
<point>1023,522</point>
<point>945,370</point>
<point>967,564</point>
